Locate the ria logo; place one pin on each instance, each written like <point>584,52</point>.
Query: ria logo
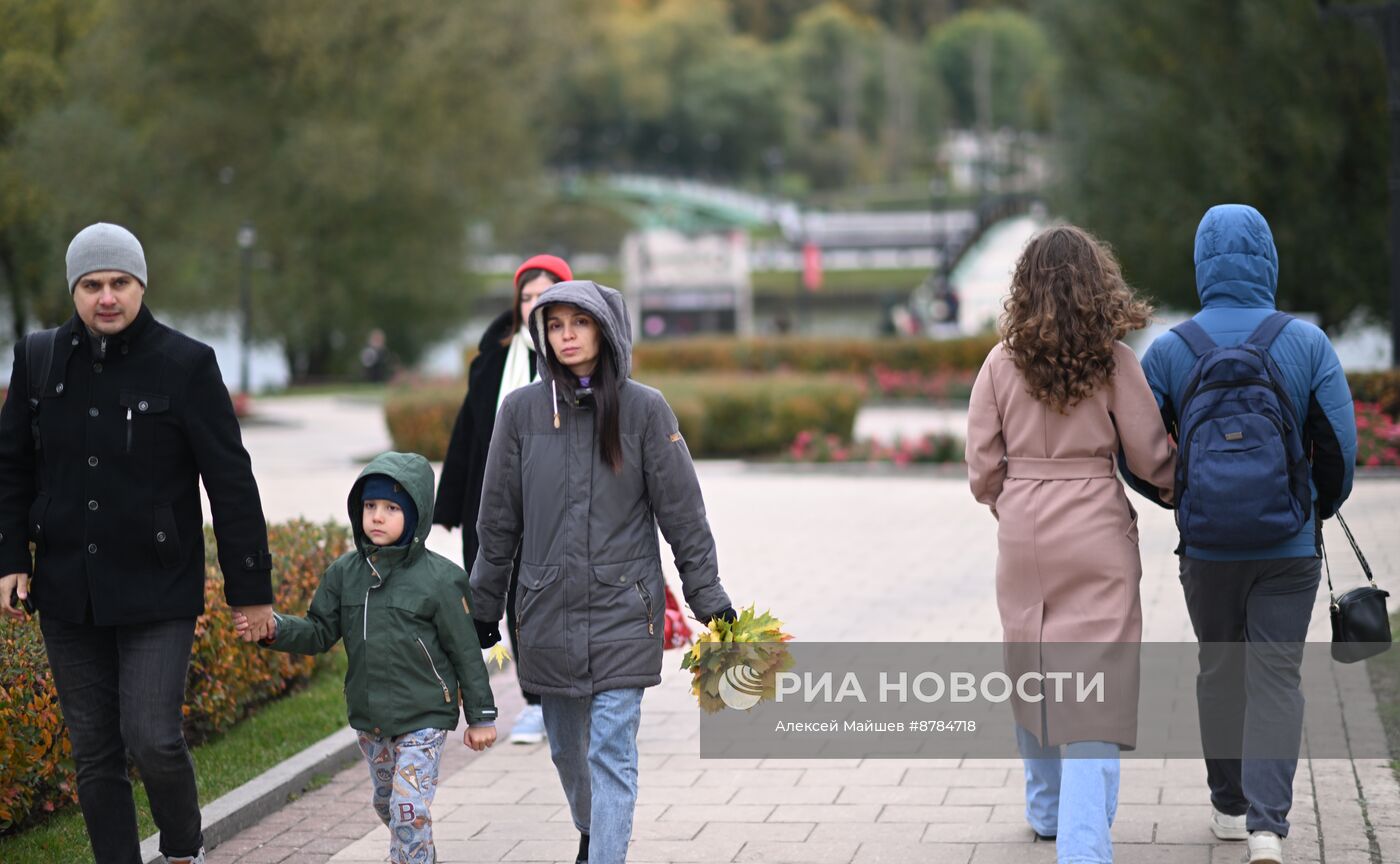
<point>740,687</point>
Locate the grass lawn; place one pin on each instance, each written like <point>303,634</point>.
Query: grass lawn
<point>1385,681</point>
<point>277,731</point>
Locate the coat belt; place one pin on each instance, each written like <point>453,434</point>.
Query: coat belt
<point>1081,468</point>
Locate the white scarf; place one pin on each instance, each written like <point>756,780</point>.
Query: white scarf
<point>520,360</point>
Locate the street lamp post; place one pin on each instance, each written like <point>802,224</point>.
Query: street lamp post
<point>1385,17</point>
<point>247,236</point>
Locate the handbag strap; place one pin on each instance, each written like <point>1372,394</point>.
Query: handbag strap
<point>1365,566</point>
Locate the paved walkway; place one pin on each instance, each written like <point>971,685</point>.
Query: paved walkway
<point>841,558</point>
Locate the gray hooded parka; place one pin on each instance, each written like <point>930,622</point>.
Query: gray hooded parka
<point>591,596</point>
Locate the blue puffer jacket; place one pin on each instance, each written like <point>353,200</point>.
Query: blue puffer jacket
<point>1236,278</point>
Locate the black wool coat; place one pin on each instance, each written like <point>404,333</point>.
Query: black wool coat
<point>110,498</point>
<point>459,490</point>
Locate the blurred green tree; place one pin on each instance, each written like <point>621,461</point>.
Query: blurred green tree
<point>35,38</point>
<point>1011,50</point>
<point>359,137</point>
<point>1166,109</point>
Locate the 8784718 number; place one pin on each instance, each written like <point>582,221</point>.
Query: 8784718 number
<point>942,726</point>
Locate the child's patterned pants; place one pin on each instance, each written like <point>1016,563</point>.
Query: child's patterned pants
<point>404,771</point>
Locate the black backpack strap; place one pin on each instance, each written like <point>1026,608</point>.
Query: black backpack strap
<point>1268,330</point>
<point>38,348</point>
<point>1195,337</point>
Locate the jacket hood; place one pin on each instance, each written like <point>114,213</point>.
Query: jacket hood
<point>1236,261</point>
<point>607,308</point>
<point>414,474</point>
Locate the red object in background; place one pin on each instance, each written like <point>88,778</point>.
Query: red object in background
<point>811,266</point>
<point>676,633</point>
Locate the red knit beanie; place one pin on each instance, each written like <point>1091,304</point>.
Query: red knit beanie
<point>548,263</point>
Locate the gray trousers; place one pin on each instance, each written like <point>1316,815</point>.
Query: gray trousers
<point>1251,695</point>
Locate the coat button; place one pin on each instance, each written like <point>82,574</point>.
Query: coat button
<point>160,536</point>
<point>92,505</point>
<point>142,405</point>
<point>92,412</point>
<point>248,562</point>
<point>92,548</point>
<point>92,461</point>
<point>97,367</point>
<point>59,388</point>
<point>622,579</point>
<point>75,340</point>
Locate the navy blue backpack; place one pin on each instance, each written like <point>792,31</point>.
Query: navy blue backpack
<point>1241,471</point>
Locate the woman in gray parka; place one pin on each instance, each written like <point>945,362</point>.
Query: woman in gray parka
<point>584,465</point>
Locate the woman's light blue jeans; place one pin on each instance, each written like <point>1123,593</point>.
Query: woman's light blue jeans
<point>593,741</point>
<point>1074,798</point>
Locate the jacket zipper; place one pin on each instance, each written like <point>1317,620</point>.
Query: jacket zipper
<point>441,683</point>
<point>646,602</point>
<point>364,624</point>
<point>128,430</point>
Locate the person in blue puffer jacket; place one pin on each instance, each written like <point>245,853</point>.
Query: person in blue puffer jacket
<point>1262,594</point>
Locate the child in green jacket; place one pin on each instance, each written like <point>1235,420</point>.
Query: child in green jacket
<point>412,647</point>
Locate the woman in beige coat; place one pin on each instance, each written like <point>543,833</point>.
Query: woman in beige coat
<point>1055,403</point>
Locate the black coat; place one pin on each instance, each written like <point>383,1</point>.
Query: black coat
<point>114,506</point>
<point>459,490</point>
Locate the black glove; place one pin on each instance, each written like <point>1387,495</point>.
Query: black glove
<point>726,614</point>
<point>487,634</point>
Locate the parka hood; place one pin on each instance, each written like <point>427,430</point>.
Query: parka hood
<point>1236,261</point>
<point>607,308</point>
<point>415,475</point>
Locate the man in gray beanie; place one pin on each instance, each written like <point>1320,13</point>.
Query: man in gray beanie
<point>112,421</point>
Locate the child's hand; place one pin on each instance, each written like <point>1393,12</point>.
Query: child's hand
<point>247,632</point>
<point>479,737</point>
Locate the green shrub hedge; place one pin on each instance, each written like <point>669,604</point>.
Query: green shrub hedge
<point>808,354</point>
<point>722,415</point>
<point>1381,388</point>
<point>227,678</point>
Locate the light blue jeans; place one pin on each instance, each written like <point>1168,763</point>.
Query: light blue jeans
<point>593,741</point>
<point>1073,798</point>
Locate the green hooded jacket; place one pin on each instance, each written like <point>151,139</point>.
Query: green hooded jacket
<point>403,614</point>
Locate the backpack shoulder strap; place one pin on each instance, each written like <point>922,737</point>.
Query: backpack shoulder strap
<point>39,356</point>
<point>1195,337</point>
<point>1268,330</point>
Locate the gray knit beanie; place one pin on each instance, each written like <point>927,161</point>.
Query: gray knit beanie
<point>104,246</point>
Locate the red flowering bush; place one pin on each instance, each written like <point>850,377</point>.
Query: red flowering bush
<point>933,448</point>
<point>1377,437</point>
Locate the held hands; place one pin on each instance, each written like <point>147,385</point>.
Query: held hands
<point>479,738</point>
<point>14,591</point>
<point>254,623</point>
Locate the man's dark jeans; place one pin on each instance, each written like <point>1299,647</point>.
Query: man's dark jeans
<point>1258,697</point>
<point>121,688</point>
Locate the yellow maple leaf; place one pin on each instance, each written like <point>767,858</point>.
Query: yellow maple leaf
<point>499,655</point>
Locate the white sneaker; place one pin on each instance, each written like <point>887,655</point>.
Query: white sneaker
<point>529,726</point>
<point>198,859</point>
<point>1227,827</point>
<point>1265,847</point>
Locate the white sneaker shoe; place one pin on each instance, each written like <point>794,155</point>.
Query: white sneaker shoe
<point>1265,847</point>
<point>529,726</point>
<point>198,859</point>
<point>1227,827</point>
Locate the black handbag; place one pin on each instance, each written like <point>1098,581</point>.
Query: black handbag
<point>1360,623</point>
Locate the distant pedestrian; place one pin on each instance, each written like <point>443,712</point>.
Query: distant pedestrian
<point>411,644</point>
<point>1272,431</point>
<point>1054,404</point>
<point>506,360</point>
<point>584,465</point>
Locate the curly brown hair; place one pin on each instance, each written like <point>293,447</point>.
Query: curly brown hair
<point>1068,305</point>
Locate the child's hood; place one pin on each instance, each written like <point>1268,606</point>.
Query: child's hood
<point>414,474</point>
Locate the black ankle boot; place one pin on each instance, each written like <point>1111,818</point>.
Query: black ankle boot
<point>582,849</point>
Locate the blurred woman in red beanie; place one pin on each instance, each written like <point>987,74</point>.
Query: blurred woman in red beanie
<point>505,361</point>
